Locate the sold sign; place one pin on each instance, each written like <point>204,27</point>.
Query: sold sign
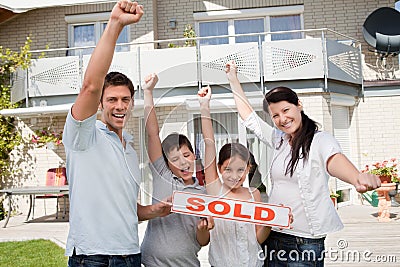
<point>230,209</point>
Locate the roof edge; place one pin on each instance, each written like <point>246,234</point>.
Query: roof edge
<point>36,111</point>
<point>18,7</point>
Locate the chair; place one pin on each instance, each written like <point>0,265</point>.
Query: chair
<point>54,177</point>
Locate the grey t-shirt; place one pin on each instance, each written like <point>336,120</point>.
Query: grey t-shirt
<point>170,240</point>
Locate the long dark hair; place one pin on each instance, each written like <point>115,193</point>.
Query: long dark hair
<point>303,137</point>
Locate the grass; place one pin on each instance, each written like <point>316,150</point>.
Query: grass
<point>31,253</point>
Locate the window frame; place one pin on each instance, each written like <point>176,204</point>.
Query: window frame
<point>254,13</point>
<point>240,137</point>
<point>96,19</point>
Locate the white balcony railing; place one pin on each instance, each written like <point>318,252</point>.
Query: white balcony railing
<point>313,57</point>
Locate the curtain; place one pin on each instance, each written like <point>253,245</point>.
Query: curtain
<point>215,28</point>
<point>248,26</point>
<point>285,23</point>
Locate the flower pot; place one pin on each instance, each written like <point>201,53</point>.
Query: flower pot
<point>334,201</point>
<point>385,179</point>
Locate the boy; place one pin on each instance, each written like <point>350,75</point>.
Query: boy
<point>174,240</point>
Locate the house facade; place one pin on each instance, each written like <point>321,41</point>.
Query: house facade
<point>315,47</point>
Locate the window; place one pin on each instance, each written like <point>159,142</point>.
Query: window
<point>285,23</point>
<point>214,29</point>
<point>233,22</point>
<point>248,26</point>
<point>228,129</point>
<point>85,30</point>
<point>341,131</point>
<point>225,127</point>
<point>83,35</point>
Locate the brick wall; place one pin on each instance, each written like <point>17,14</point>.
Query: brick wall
<point>378,129</point>
<point>346,17</point>
<point>48,26</point>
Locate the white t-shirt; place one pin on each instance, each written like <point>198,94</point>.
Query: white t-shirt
<point>311,177</point>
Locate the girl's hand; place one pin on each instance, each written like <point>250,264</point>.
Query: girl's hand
<point>205,224</point>
<point>204,95</point>
<point>290,219</point>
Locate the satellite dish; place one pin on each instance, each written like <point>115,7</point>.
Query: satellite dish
<point>381,30</point>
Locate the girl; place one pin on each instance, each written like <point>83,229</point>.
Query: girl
<point>231,243</point>
<point>302,160</point>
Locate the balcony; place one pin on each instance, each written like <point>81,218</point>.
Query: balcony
<point>320,61</point>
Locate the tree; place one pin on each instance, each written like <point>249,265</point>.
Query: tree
<point>10,136</point>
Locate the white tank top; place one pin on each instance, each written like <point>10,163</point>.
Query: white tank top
<point>234,244</point>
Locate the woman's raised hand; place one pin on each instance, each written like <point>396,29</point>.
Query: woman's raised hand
<point>231,70</point>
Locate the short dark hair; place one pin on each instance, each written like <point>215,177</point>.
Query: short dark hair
<point>230,150</point>
<point>174,140</point>
<point>117,78</point>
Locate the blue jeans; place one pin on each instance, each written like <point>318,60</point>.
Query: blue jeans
<point>283,250</point>
<point>133,260</point>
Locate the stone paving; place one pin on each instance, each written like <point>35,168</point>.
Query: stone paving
<point>362,234</point>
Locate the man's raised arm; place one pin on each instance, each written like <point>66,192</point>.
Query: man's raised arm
<point>124,13</point>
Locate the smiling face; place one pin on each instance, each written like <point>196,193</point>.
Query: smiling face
<point>116,106</point>
<point>181,163</point>
<point>286,116</point>
<point>233,172</point>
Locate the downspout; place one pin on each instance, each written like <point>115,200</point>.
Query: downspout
<point>325,55</point>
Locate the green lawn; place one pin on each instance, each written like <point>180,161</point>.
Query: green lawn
<point>31,253</point>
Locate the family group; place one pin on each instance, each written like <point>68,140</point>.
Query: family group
<point>101,161</point>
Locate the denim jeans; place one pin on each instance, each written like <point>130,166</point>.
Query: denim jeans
<point>104,260</point>
<point>283,250</point>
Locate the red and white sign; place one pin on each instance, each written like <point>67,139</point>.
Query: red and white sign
<point>231,209</point>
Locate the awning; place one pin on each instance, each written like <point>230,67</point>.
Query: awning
<point>64,108</point>
<point>20,6</point>
<point>37,111</point>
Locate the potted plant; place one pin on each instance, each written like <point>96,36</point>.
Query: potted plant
<point>386,170</point>
<point>334,196</point>
<point>46,137</point>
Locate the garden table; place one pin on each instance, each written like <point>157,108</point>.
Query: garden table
<point>32,191</point>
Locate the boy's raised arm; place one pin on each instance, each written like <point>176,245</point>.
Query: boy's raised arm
<point>154,148</point>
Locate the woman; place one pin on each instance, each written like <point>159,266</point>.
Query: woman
<point>302,161</point>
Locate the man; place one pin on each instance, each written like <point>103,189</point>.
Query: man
<point>102,167</point>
